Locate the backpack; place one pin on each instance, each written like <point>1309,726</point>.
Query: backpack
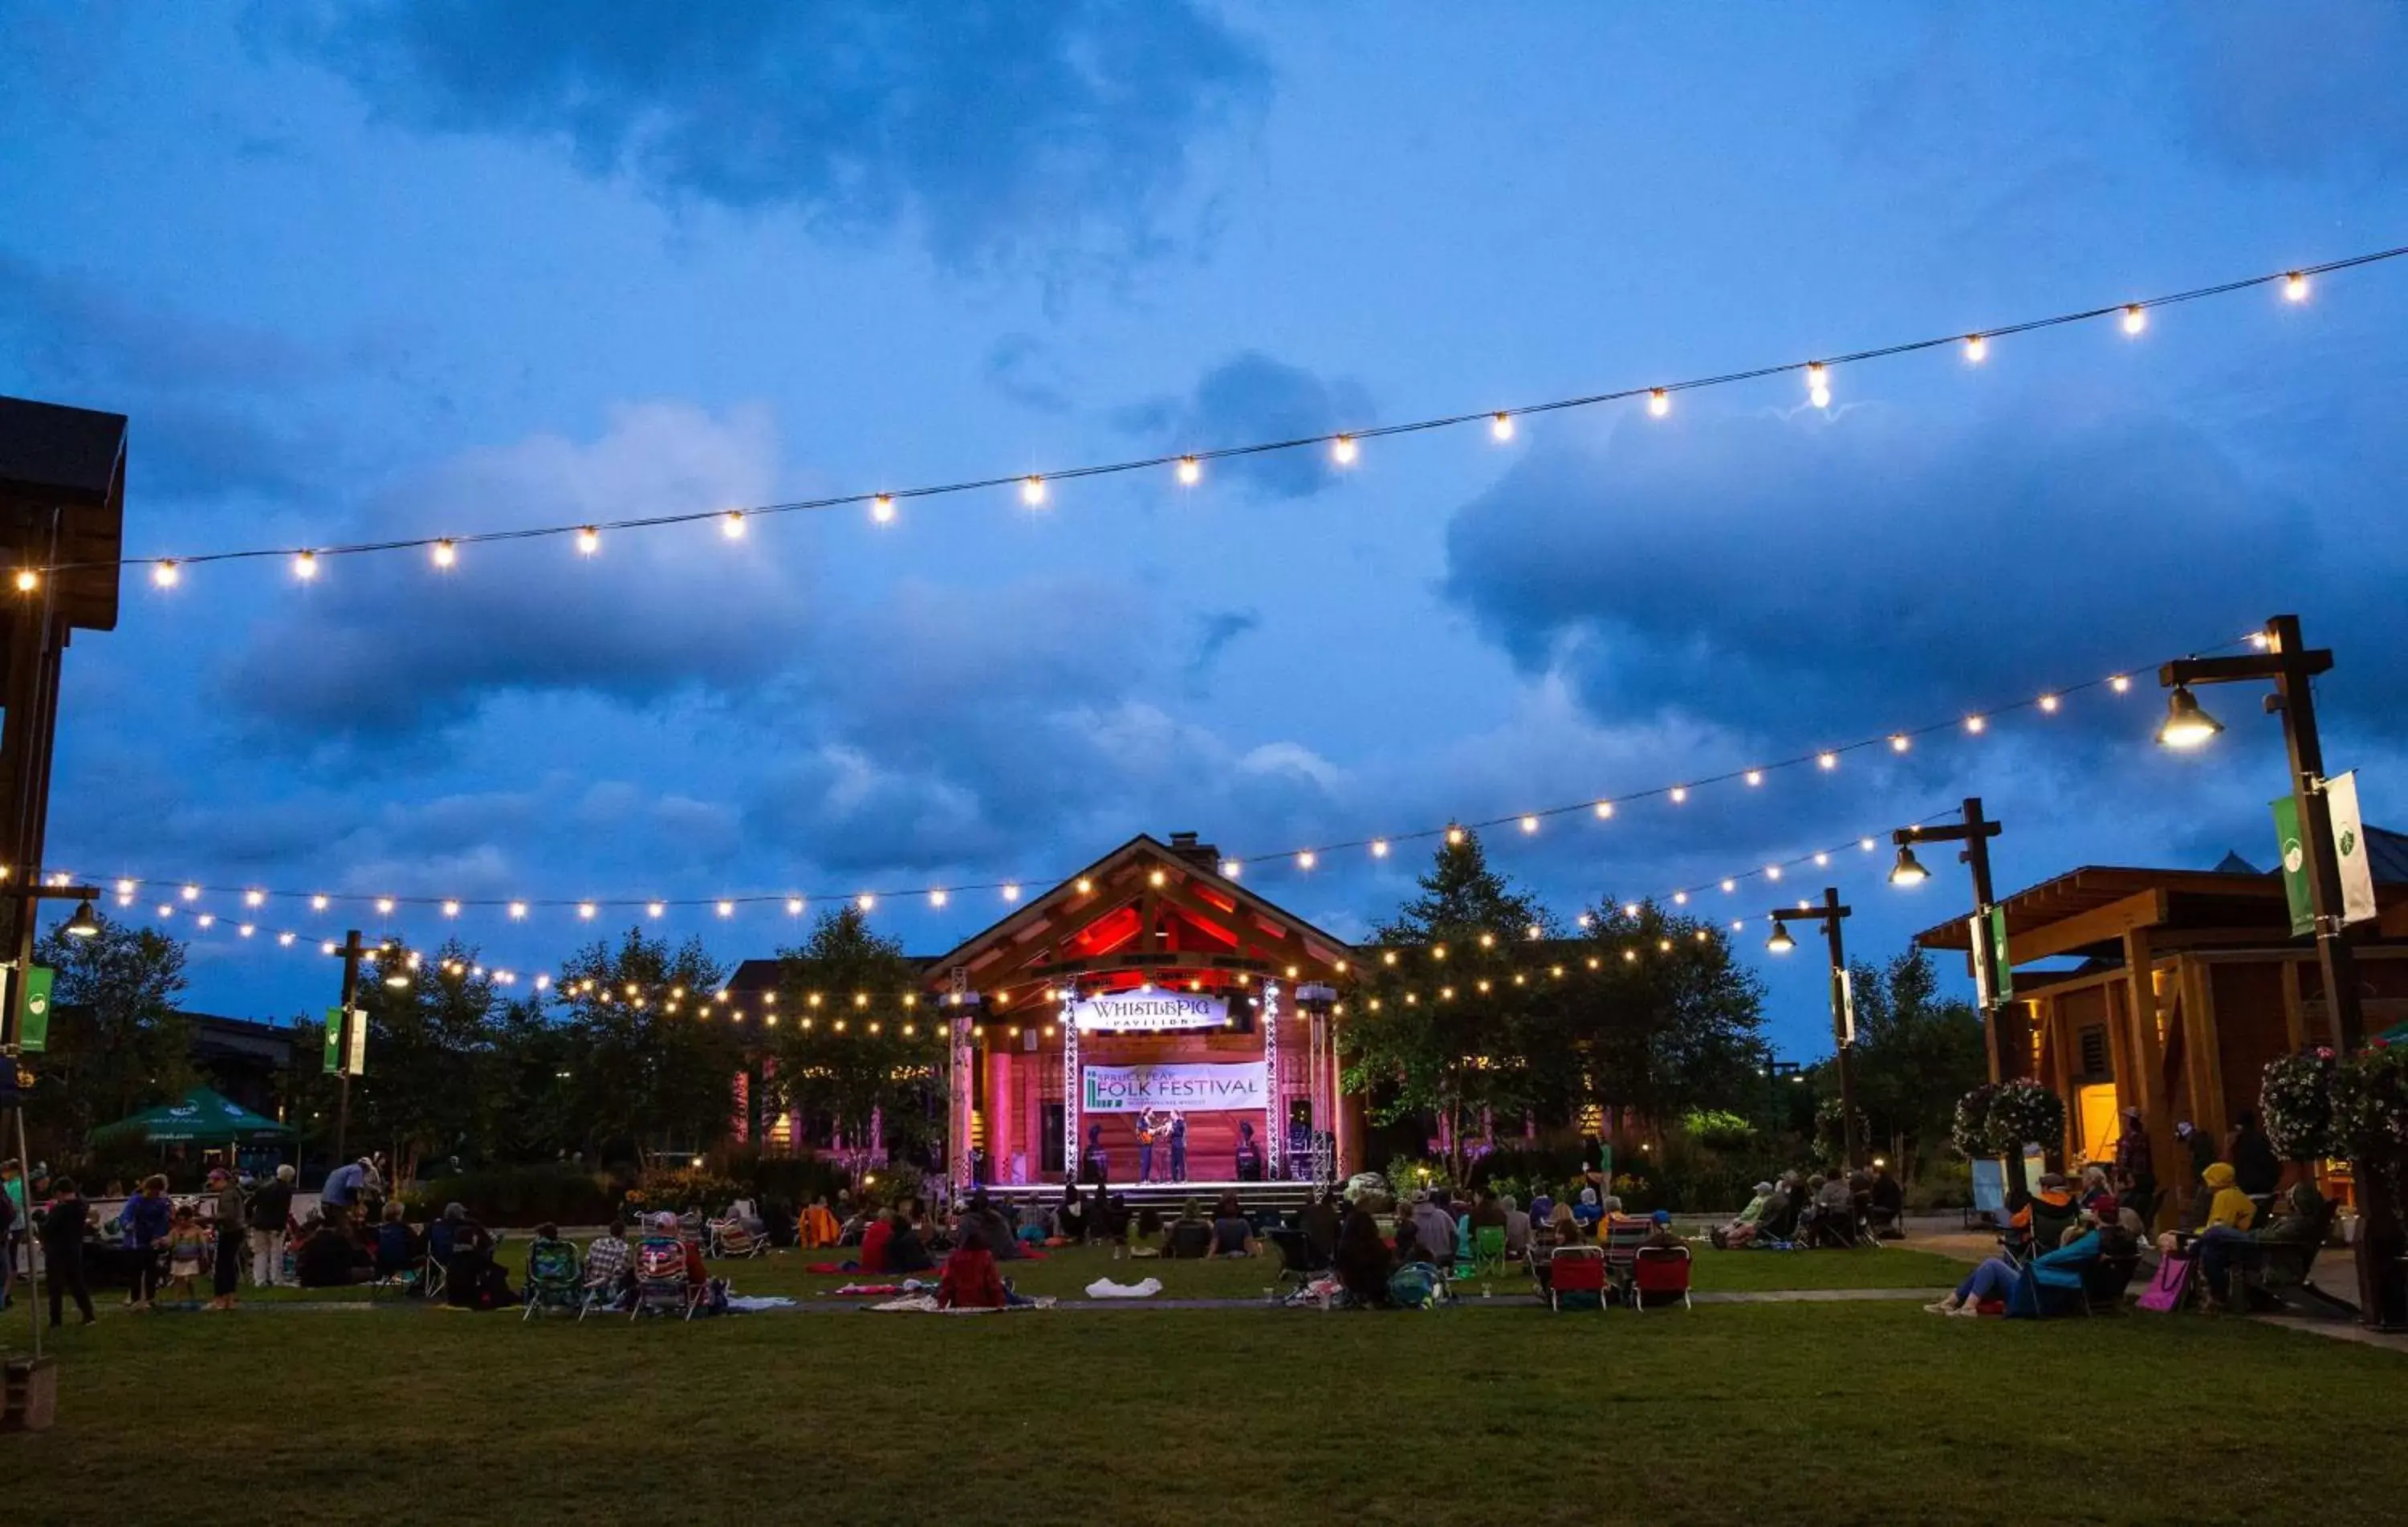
<point>1414,1287</point>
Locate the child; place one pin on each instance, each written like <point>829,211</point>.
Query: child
<point>186,1252</point>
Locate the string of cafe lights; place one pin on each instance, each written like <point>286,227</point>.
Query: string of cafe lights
<point>443,552</point>
<point>1971,723</point>
<point>398,963</point>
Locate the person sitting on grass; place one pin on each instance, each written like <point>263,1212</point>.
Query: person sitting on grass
<point>874,1242</point>
<point>325,1260</point>
<point>1190,1234</point>
<point>2055,1275</point>
<point>1434,1228</point>
<point>1743,1230</point>
<point>1362,1261</point>
<point>1233,1233</point>
<point>970,1281</point>
<point>1322,1221</point>
<point>905,1251</point>
<point>605,1262</point>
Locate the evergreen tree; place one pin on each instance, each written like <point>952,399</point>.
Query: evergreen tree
<point>868,1047</point>
<point>653,1067</point>
<point>118,1044</point>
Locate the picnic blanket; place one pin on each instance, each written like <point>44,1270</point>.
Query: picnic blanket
<point>927,1305</point>
<point>750,1303</point>
<point>1107,1288</point>
<point>861,1290</point>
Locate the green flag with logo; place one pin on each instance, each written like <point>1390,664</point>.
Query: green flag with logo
<point>333,1040</point>
<point>2002,968</point>
<point>34,1012</point>
<point>2289,836</point>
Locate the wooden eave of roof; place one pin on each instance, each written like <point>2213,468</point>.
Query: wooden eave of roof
<point>2098,904</point>
<point>1031,944</point>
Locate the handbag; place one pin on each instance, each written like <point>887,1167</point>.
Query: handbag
<point>2166,1290</point>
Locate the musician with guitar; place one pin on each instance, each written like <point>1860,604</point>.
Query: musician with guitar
<point>1150,1128</point>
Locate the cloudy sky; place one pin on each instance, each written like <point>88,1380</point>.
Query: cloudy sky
<point>378,270</point>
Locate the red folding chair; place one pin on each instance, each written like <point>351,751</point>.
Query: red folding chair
<point>1578,1269</point>
<point>1659,1270</point>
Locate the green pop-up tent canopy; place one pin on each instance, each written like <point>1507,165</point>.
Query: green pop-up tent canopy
<point>200,1118</point>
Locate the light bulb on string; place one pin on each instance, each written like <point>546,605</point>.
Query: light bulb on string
<point>165,575</point>
<point>1754,776</point>
<point>2295,287</point>
<point>866,902</point>
<point>1818,384</point>
<point>589,540</point>
<point>1899,743</point>
<point>1032,490</point>
<point>305,565</point>
<point>1678,794</point>
<point>882,509</point>
<point>1660,402</point>
<point>444,553</point>
<point>1500,428</point>
<point>2136,318</point>
<point>1342,450</point>
<point>2049,703</point>
<point>1191,472</point>
<point>728,909</point>
<point>936,899</point>
<point>1231,869</point>
<point>1977,349</point>
<point>28,580</point>
<point>656,910</point>
<point>731,525</point>
<point>1828,759</point>
<point>1379,848</point>
<point>1530,823</point>
<point>317,903</point>
<point>1976,725</point>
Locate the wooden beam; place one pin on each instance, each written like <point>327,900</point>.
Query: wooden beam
<point>2141,1009</point>
<point>2295,1013</point>
<point>2201,1002</point>
<point>2099,925</point>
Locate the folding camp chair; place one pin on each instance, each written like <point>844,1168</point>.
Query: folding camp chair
<point>1659,1272</point>
<point>1487,1250</point>
<point>731,1238</point>
<point>660,1279</point>
<point>2103,1282</point>
<point>1621,1248</point>
<point>1989,1194</point>
<point>1577,1272</point>
<point>1297,1259</point>
<point>552,1279</point>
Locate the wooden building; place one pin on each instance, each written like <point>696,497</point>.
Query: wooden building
<point>2188,983</point>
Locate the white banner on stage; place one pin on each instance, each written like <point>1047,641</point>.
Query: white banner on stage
<point>1130,1090</point>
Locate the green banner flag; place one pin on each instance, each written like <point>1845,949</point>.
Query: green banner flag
<point>334,1040</point>
<point>2295,865</point>
<point>2002,967</point>
<point>34,1012</point>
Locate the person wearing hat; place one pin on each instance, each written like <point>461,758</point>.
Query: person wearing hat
<point>1743,1230</point>
<point>1663,1236</point>
<point>225,1264</point>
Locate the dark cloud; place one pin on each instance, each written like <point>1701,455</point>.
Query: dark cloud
<point>384,646</point>
<point>1777,572</point>
<point>991,129</point>
<point>2282,91</point>
<point>1022,369</point>
<point>1216,629</point>
<point>1252,397</point>
<point>212,404</point>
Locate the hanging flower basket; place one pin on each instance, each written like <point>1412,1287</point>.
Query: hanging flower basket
<point>1971,1128</point>
<point>2296,1101</point>
<point>2370,1108</point>
<point>2023,1114</point>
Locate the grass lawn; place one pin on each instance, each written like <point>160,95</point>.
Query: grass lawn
<point>1849,1412</point>
<point>1067,1272</point>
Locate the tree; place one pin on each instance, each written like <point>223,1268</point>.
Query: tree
<point>652,1065</point>
<point>1445,1030</point>
<point>430,1060</point>
<point>117,1043</point>
<point>858,1052</point>
<point>1916,1053</point>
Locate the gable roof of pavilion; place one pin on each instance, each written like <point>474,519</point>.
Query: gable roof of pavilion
<point>1038,942</point>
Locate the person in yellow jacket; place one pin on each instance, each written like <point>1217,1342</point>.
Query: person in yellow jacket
<point>2230,1212</point>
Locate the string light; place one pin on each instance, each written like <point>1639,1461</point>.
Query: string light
<point>1899,743</point>
<point>304,566</point>
<point>1679,794</point>
<point>731,525</point>
<point>1530,823</point>
<point>1032,490</point>
<point>1379,848</point>
<point>1501,428</point>
<point>882,509</point>
<point>165,575</point>
<point>1191,472</point>
<point>589,540</point>
<point>1756,776</point>
<point>1604,810</point>
<point>445,553</point>
<point>1343,447</point>
<point>1818,384</point>
<point>1976,725</point>
<point>1977,349</point>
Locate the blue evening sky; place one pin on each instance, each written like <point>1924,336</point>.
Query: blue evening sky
<point>372,270</point>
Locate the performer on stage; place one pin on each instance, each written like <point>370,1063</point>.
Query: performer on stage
<point>1249,1155</point>
<point>1149,1129</point>
<point>1178,1146</point>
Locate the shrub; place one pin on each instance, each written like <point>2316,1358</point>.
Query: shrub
<point>2296,1099</point>
<point>521,1196</point>
<point>1830,1136</point>
<point>1942,1184</point>
<point>1718,1130</point>
<point>1970,1131</point>
<point>678,1189</point>
<point>788,1179</point>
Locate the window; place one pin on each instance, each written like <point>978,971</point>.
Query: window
<point>2093,1045</point>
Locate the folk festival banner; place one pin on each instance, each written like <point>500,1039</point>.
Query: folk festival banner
<point>1131,1089</point>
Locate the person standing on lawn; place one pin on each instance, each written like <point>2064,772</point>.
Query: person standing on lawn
<point>269,1217</point>
<point>62,1228</point>
<point>225,1270</point>
<point>146,1217</point>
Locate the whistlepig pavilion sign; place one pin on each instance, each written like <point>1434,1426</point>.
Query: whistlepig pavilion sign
<point>1145,1012</point>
